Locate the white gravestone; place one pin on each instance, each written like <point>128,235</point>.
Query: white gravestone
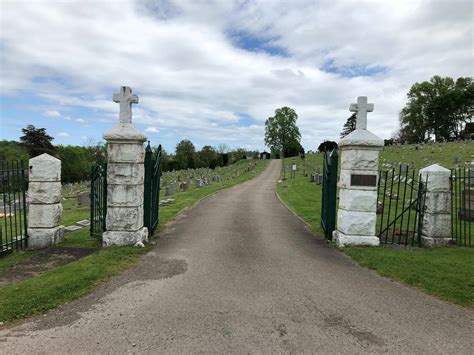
<point>125,177</point>
<point>357,213</point>
<point>44,197</point>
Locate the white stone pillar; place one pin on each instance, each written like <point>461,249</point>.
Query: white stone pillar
<point>44,197</point>
<point>125,189</point>
<point>437,216</point>
<point>357,213</point>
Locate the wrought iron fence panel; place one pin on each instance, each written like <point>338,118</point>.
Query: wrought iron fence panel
<point>462,206</point>
<point>151,201</point>
<point>400,206</point>
<point>13,213</point>
<point>98,200</point>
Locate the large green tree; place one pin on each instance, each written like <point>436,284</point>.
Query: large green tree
<point>36,141</point>
<point>281,132</point>
<point>208,156</point>
<point>440,107</point>
<point>184,154</point>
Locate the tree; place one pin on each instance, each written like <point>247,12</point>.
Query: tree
<point>36,141</point>
<point>208,156</point>
<point>281,131</point>
<point>11,150</point>
<point>184,154</point>
<point>327,146</point>
<point>349,126</point>
<point>75,163</point>
<point>440,107</point>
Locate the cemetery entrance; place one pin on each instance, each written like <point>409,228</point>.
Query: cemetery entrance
<point>13,222</point>
<point>400,206</point>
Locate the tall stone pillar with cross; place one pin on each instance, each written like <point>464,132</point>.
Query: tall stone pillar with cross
<point>125,177</point>
<point>357,213</point>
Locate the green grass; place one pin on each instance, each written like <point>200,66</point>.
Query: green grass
<point>446,273</point>
<point>68,282</point>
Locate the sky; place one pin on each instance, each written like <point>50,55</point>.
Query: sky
<point>214,71</point>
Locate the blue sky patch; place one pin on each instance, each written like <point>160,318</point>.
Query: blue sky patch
<point>252,43</point>
<point>353,71</point>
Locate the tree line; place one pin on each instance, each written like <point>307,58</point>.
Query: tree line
<point>77,161</point>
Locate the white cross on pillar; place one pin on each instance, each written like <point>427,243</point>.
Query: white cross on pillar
<point>125,99</point>
<point>361,107</point>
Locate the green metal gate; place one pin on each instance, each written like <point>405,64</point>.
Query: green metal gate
<point>151,201</point>
<point>328,205</point>
<point>13,214</point>
<point>98,200</point>
<point>401,206</point>
<point>462,206</point>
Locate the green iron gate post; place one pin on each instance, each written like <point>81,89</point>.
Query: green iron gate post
<point>328,207</point>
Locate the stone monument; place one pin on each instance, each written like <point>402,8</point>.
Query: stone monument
<point>125,177</point>
<point>44,197</point>
<point>357,213</point>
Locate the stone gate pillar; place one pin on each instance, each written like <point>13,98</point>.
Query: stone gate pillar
<point>125,177</point>
<point>436,229</point>
<point>44,197</point>
<point>357,212</point>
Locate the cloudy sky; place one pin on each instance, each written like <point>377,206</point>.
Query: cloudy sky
<point>213,71</point>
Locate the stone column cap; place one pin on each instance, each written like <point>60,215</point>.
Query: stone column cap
<point>124,132</point>
<point>361,137</point>
<point>44,167</point>
<point>435,168</point>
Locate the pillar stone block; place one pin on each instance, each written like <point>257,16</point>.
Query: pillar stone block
<point>437,217</point>
<point>44,202</point>
<point>125,177</point>
<point>357,213</point>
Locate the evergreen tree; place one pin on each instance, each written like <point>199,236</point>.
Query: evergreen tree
<point>36,141</point>
<point>349,126</point>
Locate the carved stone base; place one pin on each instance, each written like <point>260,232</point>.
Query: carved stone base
<point>435,242</point>
<point>342,239</point>
<point>121,238</point>
<point>40,238</point>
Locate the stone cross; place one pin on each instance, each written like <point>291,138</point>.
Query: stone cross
<point>125,99</point>
<point>361,107</point>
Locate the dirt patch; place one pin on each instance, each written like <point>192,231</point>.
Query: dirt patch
<point>47,259</point>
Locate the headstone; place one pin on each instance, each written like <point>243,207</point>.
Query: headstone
<point>183,186</point>
<point>169,190</point>
<point>83,198</point>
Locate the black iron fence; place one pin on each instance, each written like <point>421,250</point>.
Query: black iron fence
<point>400,207</point>
<point>98,200</point>
<point>13,213</point>
<point>462,206</point>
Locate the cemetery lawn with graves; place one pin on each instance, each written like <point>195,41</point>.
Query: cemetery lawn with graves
<point>444,272</point>
<point>48,288</point>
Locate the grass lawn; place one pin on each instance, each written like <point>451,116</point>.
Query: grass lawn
<point>447,273</point>
<point>68,282</point>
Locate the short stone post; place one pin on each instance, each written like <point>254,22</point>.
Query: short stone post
<point>357,213</point>
<point>44,197</point>
<point>436,229</point>
<point>125,177</point>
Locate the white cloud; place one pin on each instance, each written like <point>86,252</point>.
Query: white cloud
<point>80,120</point>
<point>194,82</point>
<point>51,113</point>
<point>63,134</point>
<point>151,129</point>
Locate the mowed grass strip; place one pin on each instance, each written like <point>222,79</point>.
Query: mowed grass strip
<point>447,273</point>
<point>71,281</point>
